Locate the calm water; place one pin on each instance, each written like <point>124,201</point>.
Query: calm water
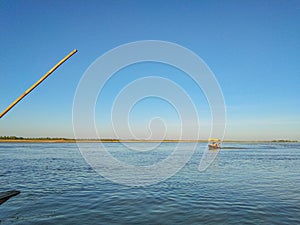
<point>247,184</point>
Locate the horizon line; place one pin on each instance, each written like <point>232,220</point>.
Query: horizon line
<point>62,139</point>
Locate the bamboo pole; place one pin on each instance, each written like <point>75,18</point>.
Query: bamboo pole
<point>37,83</point>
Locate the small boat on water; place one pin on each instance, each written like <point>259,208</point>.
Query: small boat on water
<point>4,196</point>
<point>214,143</point>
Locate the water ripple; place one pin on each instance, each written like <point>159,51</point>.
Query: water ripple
<point>256,184</point>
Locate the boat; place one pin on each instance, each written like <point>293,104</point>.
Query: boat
<point>4,196</point>
<point>214,143</point>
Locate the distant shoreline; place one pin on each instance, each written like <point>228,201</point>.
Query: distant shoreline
<point>88,141</point>
<point>67,140</point>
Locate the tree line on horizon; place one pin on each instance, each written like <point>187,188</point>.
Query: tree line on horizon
<point>106,139</point>
<point>47,138</point>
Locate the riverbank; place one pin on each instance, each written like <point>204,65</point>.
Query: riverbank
<point>88,141</point>
<point>67,140</point>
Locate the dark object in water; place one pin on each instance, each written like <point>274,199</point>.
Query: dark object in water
<point>4,196</point>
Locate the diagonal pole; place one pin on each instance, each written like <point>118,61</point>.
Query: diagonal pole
<point>37,83</point>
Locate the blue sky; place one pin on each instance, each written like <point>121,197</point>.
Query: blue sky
<point>252,47</point>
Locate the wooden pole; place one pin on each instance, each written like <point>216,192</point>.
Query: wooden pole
<point>37,83</point>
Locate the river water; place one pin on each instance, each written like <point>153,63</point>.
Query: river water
<point>248,183</point>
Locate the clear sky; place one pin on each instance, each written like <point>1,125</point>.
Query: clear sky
<point>253,48</point>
